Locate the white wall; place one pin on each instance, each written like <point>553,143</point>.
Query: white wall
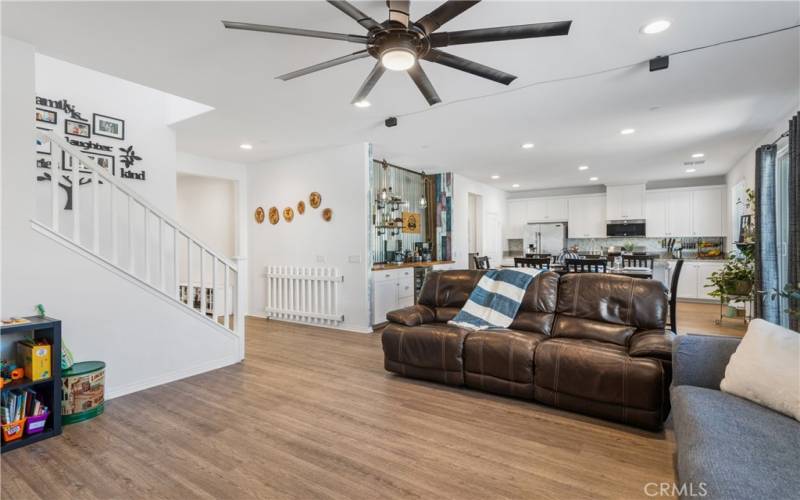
<point>745,169</point>
<point>341,176</point>
<point>206,206</point>
<point>144,338</point>
<point>144,110</point>
<point>493,216</point>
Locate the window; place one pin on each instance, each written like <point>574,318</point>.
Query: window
<point>782,223</point>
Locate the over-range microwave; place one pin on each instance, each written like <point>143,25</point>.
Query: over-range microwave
<point>625,228</point>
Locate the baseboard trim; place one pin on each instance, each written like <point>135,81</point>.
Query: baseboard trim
<point>172,376</point>
<point>344,327</point>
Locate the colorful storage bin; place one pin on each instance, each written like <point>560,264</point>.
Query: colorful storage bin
<point>13,430</point>
<point>82,391</point>
<point>35,425</point>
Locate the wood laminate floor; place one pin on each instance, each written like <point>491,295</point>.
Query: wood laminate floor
<point>312,414</point>
<point>695,317</point>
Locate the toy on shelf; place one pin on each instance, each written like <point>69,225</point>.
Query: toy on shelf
<point>18,374</point>
<point>40,311</point>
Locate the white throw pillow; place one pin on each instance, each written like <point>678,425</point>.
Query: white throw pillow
<point>765,368</point>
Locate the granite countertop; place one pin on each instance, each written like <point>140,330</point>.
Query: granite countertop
<point>383,267</point>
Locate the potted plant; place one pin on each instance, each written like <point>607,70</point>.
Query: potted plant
<point>735,278</point>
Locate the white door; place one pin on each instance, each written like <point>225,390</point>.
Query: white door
<point>656,215</point>
<point>679,219</point>
<point>687,284</point>
<point>385,300</point>
<point>707,212</point>
<point>492,239</point>
<point>516,218</point>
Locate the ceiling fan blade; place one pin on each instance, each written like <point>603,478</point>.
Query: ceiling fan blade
<point>294,31</point>
<point>352,11</point>
<point>502,33</point>
<point>437,56</point>
<point>423,84</point>
<point>398,11</point>
<point>433,20</point>
<point>372,79</point>
<point>324,65</point>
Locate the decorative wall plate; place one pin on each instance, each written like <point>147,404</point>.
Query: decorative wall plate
<point>315,199</point>
<point>301,207</point>
<point>288,214</point>
<point>274,217</point>
<point>327,214</point>
<point>259,215</point>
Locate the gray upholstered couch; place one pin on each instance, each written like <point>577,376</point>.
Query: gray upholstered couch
<point>727,446</point>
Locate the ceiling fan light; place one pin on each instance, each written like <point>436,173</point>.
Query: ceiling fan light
<point>398,59</point>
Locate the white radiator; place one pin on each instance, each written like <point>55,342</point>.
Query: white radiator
<point>304,294</point>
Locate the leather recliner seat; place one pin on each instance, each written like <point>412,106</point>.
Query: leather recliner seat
<point>585,342</point>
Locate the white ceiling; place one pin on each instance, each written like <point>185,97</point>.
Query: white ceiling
<point>719,101</point>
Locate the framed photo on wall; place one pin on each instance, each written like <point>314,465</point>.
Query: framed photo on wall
<point>46,116</point>
<point>105,161</point>
<point>108,126</point>
<point>79,129</point>
<point>44,146</point>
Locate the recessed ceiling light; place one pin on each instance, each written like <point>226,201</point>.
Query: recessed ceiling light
<point>527,145</point>
<point>627,131</point>
<point>593,179</point>
<point>495,177</point>
<point>583,167</point>
<point>698,155</point>
<point>362,104</point>
<point>655,27</point>
<point>515,185</point>
<point>246,146</point>
<point>691,170</point>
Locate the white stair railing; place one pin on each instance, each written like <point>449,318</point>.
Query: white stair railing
<point>157,251</point>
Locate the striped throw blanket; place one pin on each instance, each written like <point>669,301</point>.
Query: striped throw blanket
<point>496,299</point>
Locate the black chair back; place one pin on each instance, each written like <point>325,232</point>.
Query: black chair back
<point>585,265</point>
<point>539,256</point>
<point>638,261</point>
<point>532,262</point>
<point>673,296</point>
<point>482,262</point>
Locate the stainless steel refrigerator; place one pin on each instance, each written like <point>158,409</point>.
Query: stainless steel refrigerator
<point>547,238</point>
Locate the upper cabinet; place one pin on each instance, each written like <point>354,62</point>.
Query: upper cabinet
<point>516,218</point>
<point>625,202</point>
<point>547,210</point>
<point>587,217</point>
<point>685,212</point>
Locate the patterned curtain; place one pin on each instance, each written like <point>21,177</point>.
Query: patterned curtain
<point>794,214</point>
<point>766,255</point>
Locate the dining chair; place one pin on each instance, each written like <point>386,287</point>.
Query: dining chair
<point>539,256</point>
<point>673,296</point>
<point>638,260</point>
<point>585,265</point>
<point>538,263</point>
<point>482,262</point>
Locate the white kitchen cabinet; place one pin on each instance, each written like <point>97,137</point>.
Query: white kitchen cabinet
<point>391,289</point>
<point>685,212</point>
<point>587,218</point>
<point>516,217</point>
<point>547,210</point>
<point>625,202</point>
<point>656,215</point>
<point>707,212</point>
<point>679,213</point>
<point>694,278</point>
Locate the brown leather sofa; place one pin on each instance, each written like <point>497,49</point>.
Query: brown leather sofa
<point>586,342</point>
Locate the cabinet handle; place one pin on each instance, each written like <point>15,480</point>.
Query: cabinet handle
<point>388,275</point>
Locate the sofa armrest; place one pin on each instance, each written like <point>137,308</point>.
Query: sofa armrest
<point>652,344</point>
<point>412,316</point>
<point>700,360</point>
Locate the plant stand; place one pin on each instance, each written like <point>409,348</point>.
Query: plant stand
<point>724,300</point>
